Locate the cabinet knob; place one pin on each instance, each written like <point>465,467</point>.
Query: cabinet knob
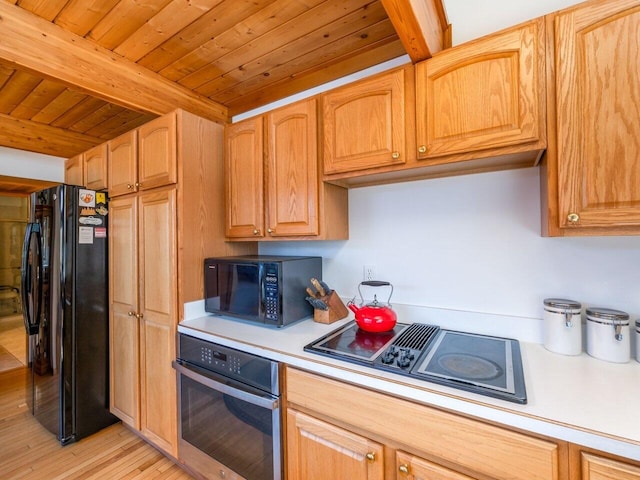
<point>256,232</point>
<point>422,149</point>
<point>138,184</point>
<point>129,186</point>
<point>404,469</point>
<point>573,217</point>
<point>131,314</point>
<point>371,456</point>
<point>139,316</point>
<point>269,230</point>
<point>395,155</point>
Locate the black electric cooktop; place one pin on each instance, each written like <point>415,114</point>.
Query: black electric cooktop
<point>476,363</point>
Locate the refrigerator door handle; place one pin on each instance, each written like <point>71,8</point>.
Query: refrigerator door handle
<point>32,325</point>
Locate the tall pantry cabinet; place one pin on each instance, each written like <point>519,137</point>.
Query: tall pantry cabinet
<point>159,237</point>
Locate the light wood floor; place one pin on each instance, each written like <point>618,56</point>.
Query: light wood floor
<point>13,337</point>
<point>28,451</point>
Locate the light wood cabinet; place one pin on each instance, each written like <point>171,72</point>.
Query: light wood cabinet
<point>145,158</point>
<point>484,98</point>
<point>415,468</point>
<point>273,186</point>
<point>73,169</point>
<point>244,179</point>
<point>157,250</point>
<point>367,125</point>
<point>94,168</point>
<point>595,467</point>
<point>458,445</point>
<point>590,178</point>
<point>319,450</point>
<point>124,326</point>
<point>122,164</point>
<point>143,303</point>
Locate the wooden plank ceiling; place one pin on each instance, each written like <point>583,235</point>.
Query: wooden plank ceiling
<point>76,73</point>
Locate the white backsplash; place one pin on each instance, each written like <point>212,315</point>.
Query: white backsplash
<point>472,244</point>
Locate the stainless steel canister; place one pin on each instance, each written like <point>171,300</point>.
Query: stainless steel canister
<point>608,335</point>
<point>562,325</point>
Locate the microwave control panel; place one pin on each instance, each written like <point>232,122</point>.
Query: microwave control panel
<point>271,292</point>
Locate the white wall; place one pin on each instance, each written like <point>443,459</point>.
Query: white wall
<point>19,163</point>
<point>473,243</point>
<point>476,18</point>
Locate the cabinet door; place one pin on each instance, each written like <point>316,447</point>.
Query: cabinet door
<point>292,170</point>
<point>244,191</point>
<point>122,171</point>
<point>73,171</point>
<point>158,310</point>
<point>124,330</point>
<point>482,95</point>
<point>364,124</point>
<point>95,168</point>
<point>414,468</point>
<point>157,152</point>
<point>598,115</point>
<point>318,451</point>
<point>599,468</point>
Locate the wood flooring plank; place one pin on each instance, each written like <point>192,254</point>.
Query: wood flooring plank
<point>30,452</point>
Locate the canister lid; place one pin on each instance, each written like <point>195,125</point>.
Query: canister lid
<point>562,303</point>
<point>607,314</point>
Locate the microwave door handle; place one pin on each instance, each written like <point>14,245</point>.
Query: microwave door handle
<point>263,289</point>
<point>266,401</point>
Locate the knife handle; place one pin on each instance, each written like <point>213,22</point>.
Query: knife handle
<point>318,287</point>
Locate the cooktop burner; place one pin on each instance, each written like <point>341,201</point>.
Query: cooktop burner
<point>481,364</point>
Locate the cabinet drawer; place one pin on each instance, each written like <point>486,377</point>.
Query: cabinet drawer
<point>600,468</point>
<point>483,448</point>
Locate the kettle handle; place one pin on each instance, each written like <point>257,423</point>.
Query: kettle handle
<point>376,283</point>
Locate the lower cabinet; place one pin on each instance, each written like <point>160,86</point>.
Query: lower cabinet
<point>592,466</point>
<point>338,430</point>
<point>415,468</point>
<point>319,450</point>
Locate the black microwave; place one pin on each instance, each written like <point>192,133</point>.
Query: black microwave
<point>260,288</point>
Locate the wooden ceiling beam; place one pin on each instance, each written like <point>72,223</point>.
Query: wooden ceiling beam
<point>43,48</point>
<point>36,137</point>
<point>422,26</point>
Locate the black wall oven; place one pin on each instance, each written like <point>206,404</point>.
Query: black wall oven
<point>229,412</point>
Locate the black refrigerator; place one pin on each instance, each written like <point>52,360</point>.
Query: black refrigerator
<point>66,311</point>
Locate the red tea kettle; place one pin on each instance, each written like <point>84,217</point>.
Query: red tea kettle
<point>374,317</point>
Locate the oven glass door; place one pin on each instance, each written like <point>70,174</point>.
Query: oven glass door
<point>234,424</point>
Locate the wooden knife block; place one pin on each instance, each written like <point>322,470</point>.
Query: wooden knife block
<point>337,310</point>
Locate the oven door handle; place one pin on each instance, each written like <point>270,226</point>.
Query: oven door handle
<point>205,378</point>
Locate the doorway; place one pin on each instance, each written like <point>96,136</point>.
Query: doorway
<point>14,216</point>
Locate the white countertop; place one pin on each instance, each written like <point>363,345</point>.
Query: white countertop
<point>574,398</point>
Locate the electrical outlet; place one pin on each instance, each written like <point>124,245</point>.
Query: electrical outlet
<point>369,272</point>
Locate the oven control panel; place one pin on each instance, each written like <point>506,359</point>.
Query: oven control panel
<point>217,360</point>
<point>244,367</point>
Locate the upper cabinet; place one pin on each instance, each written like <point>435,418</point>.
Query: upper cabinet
<point>273,186</point>
<point>144,158</point>
<point>88,169</point>
<point>94,168</point>
<point>477,107</point>
<point>591,176</point>
<point>365,124</point>
<point>73,171</point>
<point>485,97</point>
